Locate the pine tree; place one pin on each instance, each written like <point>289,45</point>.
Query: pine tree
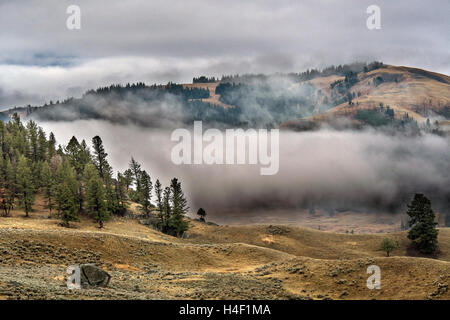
<point>179,208</point>
<point>128,178</point>
<point>135,168</point>
<point>95,195</point>
<point>42,145</point>
<point>78,155</point>
<point>48,183</point>
<point>167,209</point>
<point>111,199</point>
<point>202,214</point>
<point>10,188</point>
<point>25,185</point>
<point>66,193</point>
<point>90,171</point>
<point>67,205</point>
<point>145,191</point>
<point>120,193</point>
<point>100,156</point>
<point>51,146</point>
<point>72,150</point>
<point>159,202</point>
<point>36,170</point>
<point>423,232</point>
<point>32,131</point>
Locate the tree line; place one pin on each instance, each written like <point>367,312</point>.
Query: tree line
<point>204,79</point>
<point>153,91</point>
<point>309,74</point>
<point>74,181</point>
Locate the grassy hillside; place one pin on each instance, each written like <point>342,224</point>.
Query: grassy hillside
<point>419,93</point>
<point>214,262</point>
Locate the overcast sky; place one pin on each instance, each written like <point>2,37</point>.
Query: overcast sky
<point>167,40</point>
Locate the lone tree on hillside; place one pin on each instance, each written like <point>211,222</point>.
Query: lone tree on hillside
<point>423,232</point>
<point>388,245</point>
<point>202,214</point>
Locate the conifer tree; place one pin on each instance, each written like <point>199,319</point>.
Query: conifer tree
<point>25,185</point>
<point>202,214</point>
<point>48,183</point>
<point>9,188</point>
<point>120,193</point>
<point>128,178</point>
<point>67,205</point>
<point>111,199</point>
<point>78,155</point>
<point>32,131</point>
<point>159,202</point>
<point>135,168</point>
<point>179,208</point>
<point>95,195</point>
<point>167,210</point>
<point>42,145</point>
<point>423,232</point>
<point>145,191</point>
<point>66,194</point>
<point>51,146</point>
<point>36,170</point>
<point>90,171</point>
<point>100,156</point>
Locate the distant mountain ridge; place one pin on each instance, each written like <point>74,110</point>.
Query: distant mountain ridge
<point>356,96</point>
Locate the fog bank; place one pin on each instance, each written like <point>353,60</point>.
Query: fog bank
<point>331,170</point>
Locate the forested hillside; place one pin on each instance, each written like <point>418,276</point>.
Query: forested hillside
<point>75,181</point>
<point>354,96</point>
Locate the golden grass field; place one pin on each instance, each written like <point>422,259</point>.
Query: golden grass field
<point>213,262</point>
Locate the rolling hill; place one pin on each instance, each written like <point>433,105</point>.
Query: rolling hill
<point>408,91</point>
<point>348,96</point>
<point>213,262</point>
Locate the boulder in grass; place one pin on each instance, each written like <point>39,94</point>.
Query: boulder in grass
<point>91,275</point>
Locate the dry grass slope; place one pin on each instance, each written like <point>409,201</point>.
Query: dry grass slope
<point>418,92</point>
<point>214,262</point>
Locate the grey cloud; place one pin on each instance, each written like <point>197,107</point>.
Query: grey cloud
<point>366,171</point>
<point>138,40</point>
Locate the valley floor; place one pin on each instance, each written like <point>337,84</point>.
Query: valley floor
<point>213,262</point>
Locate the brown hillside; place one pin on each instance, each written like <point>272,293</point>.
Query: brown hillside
<point>419,93</point>
<point>213,262</point>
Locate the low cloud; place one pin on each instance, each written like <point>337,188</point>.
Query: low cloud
<point>364,170</point>
<point>154,41</point>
